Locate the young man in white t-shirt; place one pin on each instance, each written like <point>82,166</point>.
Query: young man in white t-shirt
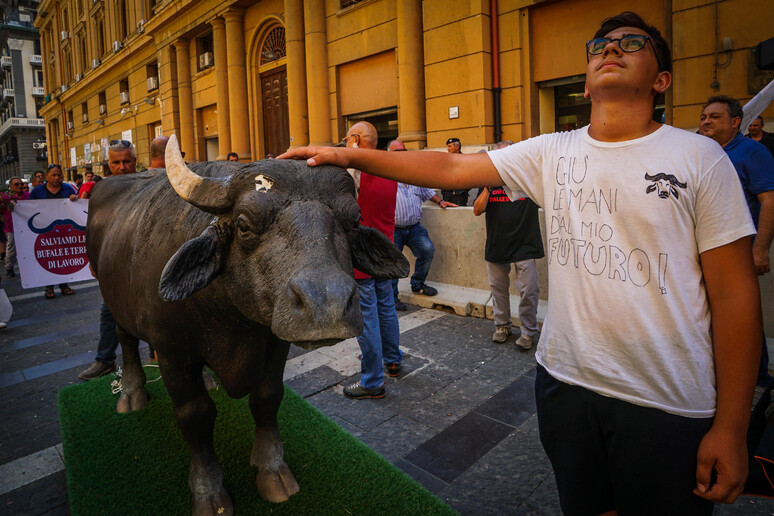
<point>643,394</point>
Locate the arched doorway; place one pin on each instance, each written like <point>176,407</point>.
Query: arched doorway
<point>274,91</point>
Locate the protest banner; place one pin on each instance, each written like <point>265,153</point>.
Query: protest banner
<point>51,241</point>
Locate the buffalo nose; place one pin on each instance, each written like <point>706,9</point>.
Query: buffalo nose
<point>324,305</point>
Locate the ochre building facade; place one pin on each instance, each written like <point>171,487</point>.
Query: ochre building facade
<point>257,77</point>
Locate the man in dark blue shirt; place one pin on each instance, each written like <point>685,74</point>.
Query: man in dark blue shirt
<point>720,119</point>
<point>55,188</point>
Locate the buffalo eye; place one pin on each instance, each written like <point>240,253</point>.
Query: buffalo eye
<point>243,225</point>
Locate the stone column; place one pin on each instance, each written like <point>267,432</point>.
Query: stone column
<point>411,75</point>
<point>317,73</point>
<point>237,83</point>
<point>185,98</point>
<point>221,86</point>
<point>294,46</point>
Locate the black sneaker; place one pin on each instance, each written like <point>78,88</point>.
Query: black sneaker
<point>393,370</point>
<point>10,272</point>
<point>400,306</point>
<point>424,289</point>
<point>96,370</point>
<point>358,392</point>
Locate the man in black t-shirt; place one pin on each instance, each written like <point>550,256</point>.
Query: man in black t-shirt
<point>512,237</point>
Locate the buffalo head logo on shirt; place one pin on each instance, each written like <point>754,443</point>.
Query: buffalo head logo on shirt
<point>664,184</point>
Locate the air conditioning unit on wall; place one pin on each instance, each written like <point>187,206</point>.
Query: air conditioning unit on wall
<point>205,60</point>
<point>102,109</point>
<point>152,83</point>
<point>69,126</point>
<point>117,45</point>
<point>63,35</point>
<point>124,97</point>
<point>94,63</point>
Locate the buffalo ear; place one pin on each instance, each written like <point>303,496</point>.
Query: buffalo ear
<point>374,254</point>
<point>193,266</point>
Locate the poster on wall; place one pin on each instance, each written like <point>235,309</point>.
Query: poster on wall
<point>127,135</point>
<point>51,241</point>
<point>104,149</point>
<point>87,152</point>
<point>73,157</point>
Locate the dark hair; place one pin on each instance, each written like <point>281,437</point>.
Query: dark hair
<point>76,177</point>
<point>759,117</point>
<point>630,19</point>
<point>97,179</point>
<point>52,166</point>
<point>733,105</point>
<point>232,154</point>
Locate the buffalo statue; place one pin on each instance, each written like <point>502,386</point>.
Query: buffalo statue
<point>224,264</point>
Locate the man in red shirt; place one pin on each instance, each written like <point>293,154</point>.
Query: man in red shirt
<point>380,340</point>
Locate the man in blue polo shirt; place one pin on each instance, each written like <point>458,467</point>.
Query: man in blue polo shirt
<point>55,188</point>
<point>720,119</point>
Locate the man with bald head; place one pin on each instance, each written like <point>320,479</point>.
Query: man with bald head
<point>410,231</point>
<point>157,149</point>
<point>380,340</point>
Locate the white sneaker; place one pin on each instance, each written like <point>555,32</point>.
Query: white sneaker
<point>2,325</point>
<point>524,341</point>
<point>501,334</point>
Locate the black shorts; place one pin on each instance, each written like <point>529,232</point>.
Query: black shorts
<point>608,454</point>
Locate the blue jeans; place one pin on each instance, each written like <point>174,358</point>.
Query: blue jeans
<point>108,340</point>
<point>416,238</point>
<point>381,335</point>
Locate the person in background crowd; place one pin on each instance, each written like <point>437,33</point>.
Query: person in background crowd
<point>7,202</point>
<point>88,176</point>
<point>512,237</point>
<point>55,188</point>
<point>270,156</point>
<point>380,340</point>
<point>38,178</point>
<point>643,393</point>
<point>77,181</point>
<point>232,156</point>
<point>410,231</point>
<point>719,120</point>
<point>121,160</point>
<point>755,131</point>
<point>458,197</point>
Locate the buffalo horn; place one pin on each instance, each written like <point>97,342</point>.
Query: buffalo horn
<point>207,194</point>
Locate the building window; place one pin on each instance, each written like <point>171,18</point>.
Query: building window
<point>348,3</point>
<point>204,49</point>
<point>273,47</point>
<point>102,103</point>
<point>123,88</point>
<point>100,37</point>
<point>82,50</point>
<point>122,22</point>
<point>85,112</point>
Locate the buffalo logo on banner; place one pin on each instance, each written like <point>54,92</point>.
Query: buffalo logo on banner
<point>60,247</point>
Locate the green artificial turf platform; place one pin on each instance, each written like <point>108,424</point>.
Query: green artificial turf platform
<point>138,463</point>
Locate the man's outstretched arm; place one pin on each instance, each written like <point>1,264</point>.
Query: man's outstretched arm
<point>734,299</point>
<point>428,169</point>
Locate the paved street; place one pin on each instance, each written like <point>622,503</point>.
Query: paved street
<point>460,419</point>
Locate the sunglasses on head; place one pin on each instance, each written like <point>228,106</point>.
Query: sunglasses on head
<point>54,165</point>
<point>125,143</point>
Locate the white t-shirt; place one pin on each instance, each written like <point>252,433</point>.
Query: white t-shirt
<point>628,315</point>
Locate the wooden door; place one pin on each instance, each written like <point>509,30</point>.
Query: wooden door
<point>276,133</point>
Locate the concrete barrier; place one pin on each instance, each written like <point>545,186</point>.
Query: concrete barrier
<point>459,269</point>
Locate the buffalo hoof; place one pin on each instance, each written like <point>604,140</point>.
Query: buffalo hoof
<point>129,402</point>
<point>209,382</point>
<point>276,486</point>
<point>218,504</point>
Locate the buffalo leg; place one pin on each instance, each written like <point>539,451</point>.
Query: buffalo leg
<point>134,396</point>
<point>195,413</point>
<point>274,480</point>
